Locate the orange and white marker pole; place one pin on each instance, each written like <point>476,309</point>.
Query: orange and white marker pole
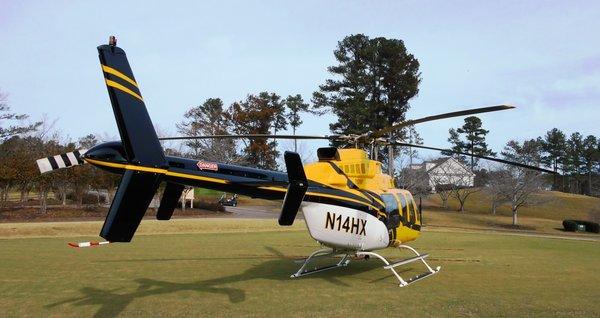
<point>88,244</point>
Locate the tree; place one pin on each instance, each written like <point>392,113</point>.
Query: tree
<point>451,179</point>
<point>413,137</point>
<point>6,115</point>
<point>574,160</point>
<point>590,156</point>
<point>372,85</point>
<point>498,187</point>
<point>208,119</point>
<point>295,106</point>
<point>523,182</point>
<point>553,146</point>
<point>259,115</point>
<point>415,180</point>
<point>474,142</point>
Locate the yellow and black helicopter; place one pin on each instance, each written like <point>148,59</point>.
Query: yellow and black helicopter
<point>349,205</point>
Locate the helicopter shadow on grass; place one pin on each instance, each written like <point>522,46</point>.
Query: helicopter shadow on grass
<point>113,301</point>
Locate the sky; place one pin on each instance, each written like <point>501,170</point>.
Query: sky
<point>541,56</point>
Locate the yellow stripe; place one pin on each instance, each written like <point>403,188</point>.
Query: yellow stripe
<point>125,166</point>
<point>273,189</point>
<point>154,170</point>
<point>124,89</point>
<point>110,70</point>
<point>191,176</point>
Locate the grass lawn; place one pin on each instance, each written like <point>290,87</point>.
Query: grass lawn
<point>241,268</point>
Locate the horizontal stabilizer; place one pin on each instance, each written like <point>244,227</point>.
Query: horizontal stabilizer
<point>131,201</point>
<point>169,201</point>
<point>298,184</point>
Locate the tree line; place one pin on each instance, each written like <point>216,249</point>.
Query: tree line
<point>574,158</point>
<point>368,88</point>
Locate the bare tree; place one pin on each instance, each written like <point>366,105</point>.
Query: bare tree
<point>461,194</point>
<point>442,189</point>
<point>455,180</point>
<point>498,188</point>
<point>7,131</point>
<point>523,182</point>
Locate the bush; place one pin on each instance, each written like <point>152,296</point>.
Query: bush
<point>591,226</point>
<point>573,225</point>
<point>570,225</point>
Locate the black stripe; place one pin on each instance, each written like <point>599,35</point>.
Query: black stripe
<point>66,159</point>
<point>370,195</point>
<point>123,82</point>
<point>53,163</point>
<point>339,202</point>
<point>349,182</point>
<point>78,156</point>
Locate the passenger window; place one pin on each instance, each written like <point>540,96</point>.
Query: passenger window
<point>391,210</point>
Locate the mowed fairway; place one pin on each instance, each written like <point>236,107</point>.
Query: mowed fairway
<point>244,271</point>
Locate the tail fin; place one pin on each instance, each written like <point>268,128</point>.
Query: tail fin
<point>135,127</point>
<point>141,144</point>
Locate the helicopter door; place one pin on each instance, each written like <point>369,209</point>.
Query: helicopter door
<point>391,210</point>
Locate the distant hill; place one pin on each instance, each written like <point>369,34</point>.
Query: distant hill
<point>548,205</point>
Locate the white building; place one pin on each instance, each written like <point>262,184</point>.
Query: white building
<point>446,171</point>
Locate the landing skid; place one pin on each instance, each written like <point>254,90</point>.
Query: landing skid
<point>391,267</point>
<point>320,254</point>
<point>326,252</point>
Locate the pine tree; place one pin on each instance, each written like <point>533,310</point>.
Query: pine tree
<point>295,106</point>
<point>590,156</point>
<point>574,160</point>
<point>554,151</point>
<point>372,85</point>
<point>474,139</point>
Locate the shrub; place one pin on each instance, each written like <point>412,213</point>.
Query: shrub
<point>570,225</point>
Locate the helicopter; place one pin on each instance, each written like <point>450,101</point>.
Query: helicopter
<point>350,206</point>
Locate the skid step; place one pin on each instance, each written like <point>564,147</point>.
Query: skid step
<point>420,276</point>
<point>406,261</point>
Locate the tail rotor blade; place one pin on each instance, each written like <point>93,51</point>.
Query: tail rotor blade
<point>65,160</point>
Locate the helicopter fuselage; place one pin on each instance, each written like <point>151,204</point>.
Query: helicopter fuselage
<point>338,213</point>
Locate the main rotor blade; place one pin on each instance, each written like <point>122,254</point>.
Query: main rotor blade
<point>251,136</point>
<point>467,112</point>
<point>512,163</point>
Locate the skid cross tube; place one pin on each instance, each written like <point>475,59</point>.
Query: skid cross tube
<point>391,267</point>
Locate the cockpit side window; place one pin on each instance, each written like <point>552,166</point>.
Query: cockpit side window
<point>404,205</point>
<point>411,209</point>
<point>391,210</point>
